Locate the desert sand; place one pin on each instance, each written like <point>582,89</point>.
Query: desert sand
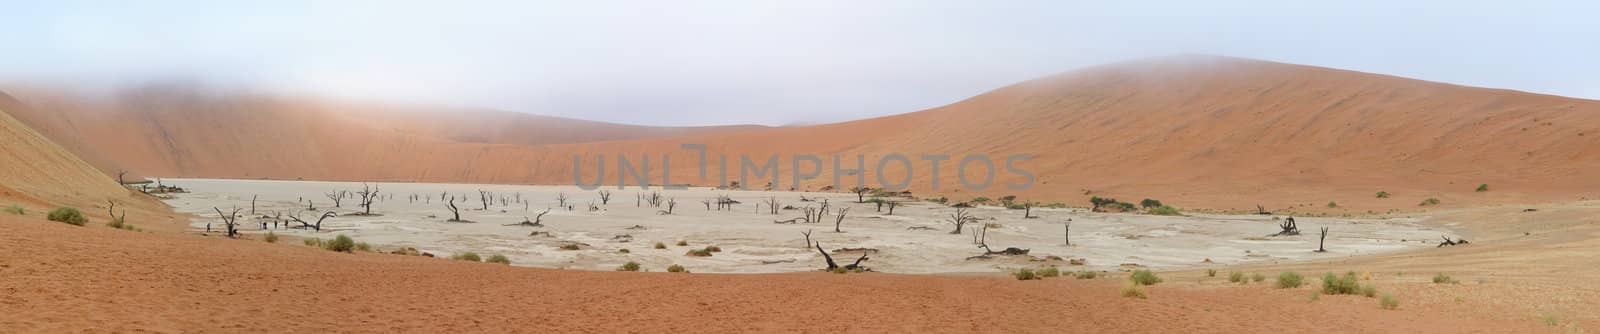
<point>1213,136</point>
<point>1194,131</point>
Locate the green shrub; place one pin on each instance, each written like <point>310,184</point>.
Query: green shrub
<point>714,249</point>
<point>624,251</point>
<point>468,256</point>
<point>1236,277</point>
<point>1336,285</point>
<point>1015,206</point>
<point>1150,203</point>
<point>1165,210</point>
<point>683,242</point>
<point>1087,274</point>
<point>115,223</point>
<point>313,242</point>
<point>501,259</point>
<point>1049,272</point>
<point>1482,187</point>
<point>16,210</point>
<point>1429,201</point>
<point>1316,295</point>
<point>362,246</point>
<point>570,247</point>
<point>1025,274</point>
<point>1134,291</point>
<point>1549,320</point>
<point>630,266</point>
<point>1211,273</point>
<point>698,253</point>
<point>341,243</point>
<point>1369,290</point>
<point>1441,278</point>
<point>1056,205</point>
<point>1258,277</point>
<point>67,215</point>
<point>1289,280</point>
<point>1389,302</point>
<point>661,246</point>
<point>1383,194</point>
<point>980,200</point>
<point>676,269</point>
<point>271,238</point>
<point>840,270</point>
<point>1144,277</point>
<point>1333,204</point>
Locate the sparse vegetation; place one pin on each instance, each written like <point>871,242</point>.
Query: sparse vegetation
<point>271,238</point>
<point>1087,274</point>
<point>501,259</point>
<point>840,270</point>
<point>1144,277</point>
<point>1258,277</point>
<point>683,243</point>
<point>1236,277</point>
<point>699,252</point>
<point>1289,280</point>
<point>1337,285</point>
<point>570,247</point>
<point>341,243</point>
<point>1211,273</point>
<point>1549,320</point>
<point>1333,204</point>
<point>313,242</point>
<point>1369,290</point>
<point>1025,274</point>
<point>1150,204</point>
<point>1441,278</point>
<point>364,247</point>
<point>624,251</point>
<point>468,256</point>
<point>16,210</point>
<point>1165,210</point>
<point>1429,201</point>
<point>1388,302</point>
<point>1383,194</point>
<point>676,269</point>
<point>1482,187</point>
<point>1049,272</point>
<point>714,249</point>
<point>630,266</point>
<point>67,215</point>
<point>1134,291</point>
<point>661,246</point>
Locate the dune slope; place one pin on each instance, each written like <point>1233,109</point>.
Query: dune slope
<point>1195,131</point>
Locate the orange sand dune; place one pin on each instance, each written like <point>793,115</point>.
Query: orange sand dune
<point>1195,131</point>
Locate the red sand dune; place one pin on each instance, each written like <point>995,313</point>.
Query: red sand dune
<point>1195,131</point>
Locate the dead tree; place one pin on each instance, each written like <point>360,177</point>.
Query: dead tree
<point>605,196</point>
<point>654,199</point>
<point>1322,240</point>
<point>670,204</point>
<point>1066,234</point>
<point>807,233</point>
<point>772,203</point>
<point>231,221</point>
<point>538,220</point>
<point>1027,210</point>
<point>112,207</point>
<point>366,196</point>
<point>1448,242</point>
<point>832,265</point>
<point>838,220</point>
<point>311,206</point>
<point>483,197</point>
<point>337,197</point>
<point>707,203</point>
<point>561,199</point>
<point>1288,228</point>
<point>316,227</point>
<point>253,204</point>
<point>1007,251</point>
<point>960,219</point>
<point>891,207</point>
<point>1261,210</point>
<point>861,193</point>
<point>123,173</point>
<point>454,211</point>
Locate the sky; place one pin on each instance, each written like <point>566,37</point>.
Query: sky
<point>761,62</point>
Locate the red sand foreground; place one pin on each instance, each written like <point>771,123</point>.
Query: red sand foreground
<point>61,278</point>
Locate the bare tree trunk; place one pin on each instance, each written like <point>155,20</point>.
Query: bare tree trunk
<point>808,238</point>
<point>1067,232</point>
<point>840,219</point>
<point>1322,240</point>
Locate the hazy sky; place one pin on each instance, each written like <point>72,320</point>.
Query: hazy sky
<point>720,62</point>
